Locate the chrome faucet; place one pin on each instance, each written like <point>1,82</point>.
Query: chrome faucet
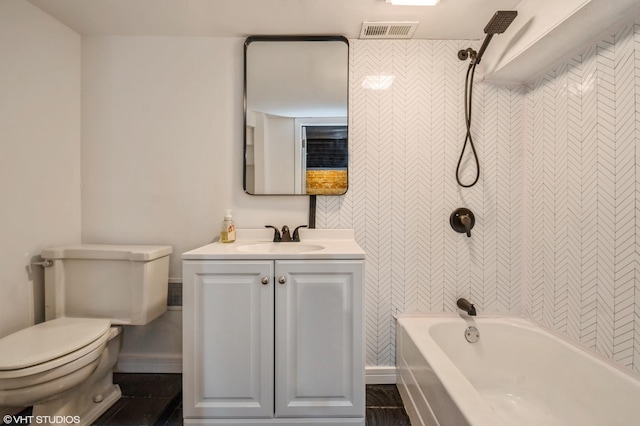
<point>466,306</point>
<point>285,236</point>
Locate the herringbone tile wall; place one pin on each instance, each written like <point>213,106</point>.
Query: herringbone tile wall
<point>582,198</point>
<point>557,235</point>
<point>405,143</point>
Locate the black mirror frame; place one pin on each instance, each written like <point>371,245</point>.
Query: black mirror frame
<point>247,42</point>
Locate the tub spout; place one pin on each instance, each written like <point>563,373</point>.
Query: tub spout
<point>466,306</point>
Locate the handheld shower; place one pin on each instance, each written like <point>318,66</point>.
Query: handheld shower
<point>497,25</point>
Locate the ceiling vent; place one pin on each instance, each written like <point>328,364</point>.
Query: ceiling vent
<point>388,29</point>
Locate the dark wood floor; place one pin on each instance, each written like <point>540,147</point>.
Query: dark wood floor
<point>384,407</point>
<point>147,399</point>
<point>156,399</point>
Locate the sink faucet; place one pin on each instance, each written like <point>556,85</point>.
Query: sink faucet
<point>285,236</point>
<point>466,306</point>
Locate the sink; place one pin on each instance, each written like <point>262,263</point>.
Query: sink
<point>288,248</point>
<point>256,244</point>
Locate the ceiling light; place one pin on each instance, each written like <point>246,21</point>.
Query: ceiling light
<point>413,2</point>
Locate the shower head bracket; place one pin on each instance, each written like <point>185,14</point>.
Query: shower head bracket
<point>463,54</point>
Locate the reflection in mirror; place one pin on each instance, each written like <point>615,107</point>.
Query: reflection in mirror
<point>296,134</point>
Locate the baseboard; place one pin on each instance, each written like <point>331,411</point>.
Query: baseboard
<point>384,375</point>
<point>149,364</point>
<point>374,375</point>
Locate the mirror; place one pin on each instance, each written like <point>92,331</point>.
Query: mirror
<point>295,115</point>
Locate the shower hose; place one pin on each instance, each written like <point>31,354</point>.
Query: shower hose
<point>468,92</point>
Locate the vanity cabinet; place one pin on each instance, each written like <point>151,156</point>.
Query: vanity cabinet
<point>273,342</point>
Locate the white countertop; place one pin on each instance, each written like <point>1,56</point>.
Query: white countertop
<point>252,244</point>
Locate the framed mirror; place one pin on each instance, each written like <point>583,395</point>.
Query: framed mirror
<point>295,115</point>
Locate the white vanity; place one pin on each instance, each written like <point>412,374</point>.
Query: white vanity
<point>273,332</point>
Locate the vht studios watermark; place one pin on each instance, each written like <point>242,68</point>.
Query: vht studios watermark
<point>35,420</point>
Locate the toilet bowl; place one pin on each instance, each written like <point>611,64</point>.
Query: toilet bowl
<point>64,366</point>
<point>49,351</point>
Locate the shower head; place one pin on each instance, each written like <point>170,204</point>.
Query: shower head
<point>497,25</point>
<point>500,21</point>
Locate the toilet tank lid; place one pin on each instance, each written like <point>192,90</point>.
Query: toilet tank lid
<point>138,253</point>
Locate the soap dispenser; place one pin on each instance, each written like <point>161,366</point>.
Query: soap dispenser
<point>228,232</point>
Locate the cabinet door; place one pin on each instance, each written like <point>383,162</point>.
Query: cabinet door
<point>319,339</point>
<point>228,339</point>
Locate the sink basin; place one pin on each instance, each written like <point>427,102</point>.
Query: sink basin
<point>289,248</point>
<point>256,244</point>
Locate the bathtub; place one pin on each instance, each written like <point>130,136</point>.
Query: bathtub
<point>515,374</point>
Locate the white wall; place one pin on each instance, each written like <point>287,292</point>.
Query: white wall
<point>162,143</point>
<point>162,160</point>
<point>39,152</point>
<point>279,158</point>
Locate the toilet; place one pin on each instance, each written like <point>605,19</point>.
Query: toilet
<point>64,366</point>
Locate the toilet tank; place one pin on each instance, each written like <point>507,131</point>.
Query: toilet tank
<point>126,284</point>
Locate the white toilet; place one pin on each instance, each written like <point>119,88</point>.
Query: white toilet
<point>64,366</point>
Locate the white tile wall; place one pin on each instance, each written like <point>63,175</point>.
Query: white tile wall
<point>405,143</point>
<point>582,186</point>
<point>557,206</point>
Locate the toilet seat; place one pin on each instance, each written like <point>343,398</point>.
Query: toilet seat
<point>50,344</point>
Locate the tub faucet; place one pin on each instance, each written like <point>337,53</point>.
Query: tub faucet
<point>466,306</point>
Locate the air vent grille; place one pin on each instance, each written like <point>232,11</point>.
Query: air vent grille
<point>388,29</point>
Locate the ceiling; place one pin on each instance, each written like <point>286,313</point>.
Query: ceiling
<point>451,19</point>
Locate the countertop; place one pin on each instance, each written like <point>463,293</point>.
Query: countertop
<point>256,244</point>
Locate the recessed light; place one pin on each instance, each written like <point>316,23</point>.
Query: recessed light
<point>413,2</point>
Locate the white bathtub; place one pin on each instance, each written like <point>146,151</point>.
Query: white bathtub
<point>516,374</point>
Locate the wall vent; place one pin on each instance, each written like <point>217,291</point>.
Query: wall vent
<point>388,29</point>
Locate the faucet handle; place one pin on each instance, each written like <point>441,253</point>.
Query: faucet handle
<point>286,235</point>
<point>466,222</point>
<point>462,220</point>
<point>296,233</point>
<point>276,234</point>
